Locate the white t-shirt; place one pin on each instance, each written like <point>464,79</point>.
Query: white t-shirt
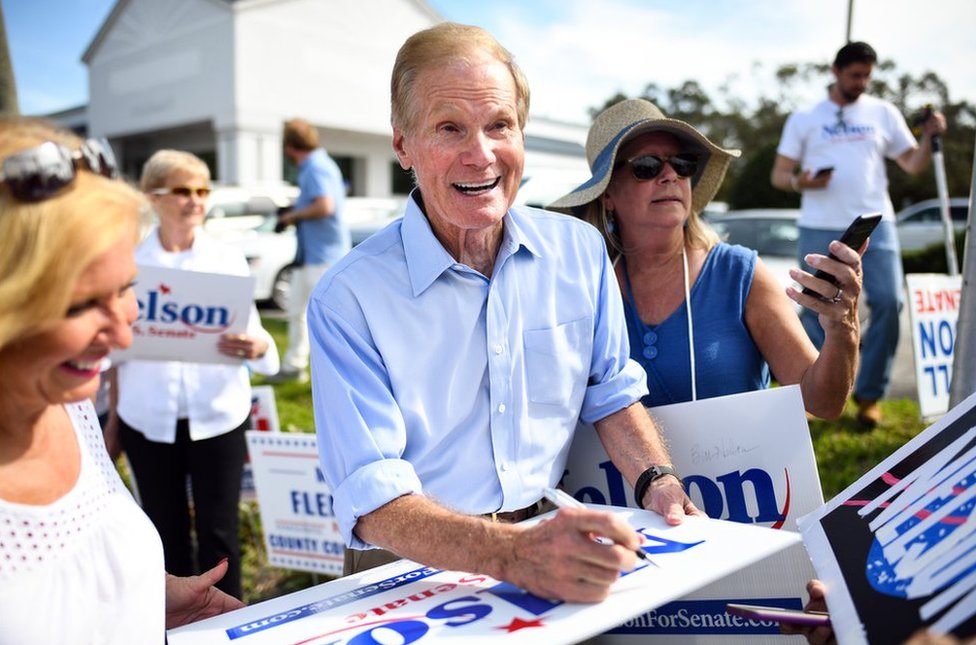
<point>855,139</point>
<point>87,568</point>
<point>216,398</point>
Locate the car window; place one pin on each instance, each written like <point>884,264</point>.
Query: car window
<point>767,236</point>
<point>959,213</point>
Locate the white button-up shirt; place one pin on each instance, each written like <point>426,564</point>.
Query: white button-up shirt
<point>216,398</point>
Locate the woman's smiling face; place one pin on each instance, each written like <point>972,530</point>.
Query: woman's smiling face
<point>61,364</point>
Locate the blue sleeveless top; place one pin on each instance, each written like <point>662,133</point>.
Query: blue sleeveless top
<point>727,360</point>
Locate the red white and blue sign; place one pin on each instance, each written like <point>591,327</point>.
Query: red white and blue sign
<point>182,315</point>
<point>746,458</point>
<point>406,603</point>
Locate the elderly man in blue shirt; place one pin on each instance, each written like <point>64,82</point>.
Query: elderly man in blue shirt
<point>454,351</point>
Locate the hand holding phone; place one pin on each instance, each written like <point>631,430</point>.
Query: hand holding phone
<point>779,615</point>
<point>854,237</point>
<point>823,171</point>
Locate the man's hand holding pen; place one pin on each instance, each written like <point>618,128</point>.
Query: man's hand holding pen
<point>559,558</point>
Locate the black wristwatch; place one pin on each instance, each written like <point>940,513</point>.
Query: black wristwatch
<point>647,478</point>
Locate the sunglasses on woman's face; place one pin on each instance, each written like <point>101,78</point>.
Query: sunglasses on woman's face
<point>184,191</point>
<point>39,173</point>
<point>647,167</point>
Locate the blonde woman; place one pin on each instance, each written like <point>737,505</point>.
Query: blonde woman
<point>180,420</point>
<point>72,540</point>
<point>705,318</point>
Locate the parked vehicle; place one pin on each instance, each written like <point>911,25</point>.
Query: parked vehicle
<point>249,224</point>
<point>920,225</point>
<point>772,232</point>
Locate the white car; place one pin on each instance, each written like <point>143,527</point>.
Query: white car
<point>271,255</point>
<point>920,225</point>
<point>772,232</point>
<point>245,217</point>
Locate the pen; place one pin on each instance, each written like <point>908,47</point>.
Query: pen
<point>563,499</point>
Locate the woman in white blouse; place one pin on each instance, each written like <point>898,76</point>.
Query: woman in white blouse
<point>79,562</point>
<point>180,420</point>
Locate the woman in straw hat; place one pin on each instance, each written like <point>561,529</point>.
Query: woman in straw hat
<point>79,561</point>
<point>705,318</point>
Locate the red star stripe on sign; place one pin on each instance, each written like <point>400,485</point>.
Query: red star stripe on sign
<point>163,289</point>
<point>518,623</point>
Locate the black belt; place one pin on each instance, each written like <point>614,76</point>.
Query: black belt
<point>520,515</point>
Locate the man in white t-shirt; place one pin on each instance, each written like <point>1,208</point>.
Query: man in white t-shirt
<point>834,154</point>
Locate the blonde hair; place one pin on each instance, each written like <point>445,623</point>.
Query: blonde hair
<point>45,246</point>
<point>437,46</point>
<point>698,234</point>
<point>163,163</point>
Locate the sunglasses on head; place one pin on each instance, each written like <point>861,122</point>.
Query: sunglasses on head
<point>41,172</point>
<point>184,191</point>
<point>647,167</point>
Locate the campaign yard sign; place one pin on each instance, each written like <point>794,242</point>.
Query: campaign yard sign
<point>747,458</point>
<point>264,417</point>
<point>896,547</point>
<point>933,301</point>
<point>300,530</point>
<point>182,315</point>
<point>405,602</point>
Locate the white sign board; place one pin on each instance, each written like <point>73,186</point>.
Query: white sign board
<point>895,548</point>
<point>933,301</point>
<point>264,417</point>
<point>300,531</point>
<point>747,458</point>
<point>264,409</point>
<point>182,315</point>
<point>405,602</point>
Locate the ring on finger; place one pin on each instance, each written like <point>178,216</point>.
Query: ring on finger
<point>241,353</point>
<point>837,298</point>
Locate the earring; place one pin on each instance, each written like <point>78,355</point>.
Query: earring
<point>609,221</point>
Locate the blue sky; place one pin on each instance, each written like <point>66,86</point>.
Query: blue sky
<point>577,53</point>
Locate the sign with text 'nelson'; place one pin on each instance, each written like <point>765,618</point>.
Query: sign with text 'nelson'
<point>933,305</point>
<point>182,315</point>
<point>746,458</point>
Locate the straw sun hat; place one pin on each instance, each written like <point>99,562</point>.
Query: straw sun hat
<point>622,122</point>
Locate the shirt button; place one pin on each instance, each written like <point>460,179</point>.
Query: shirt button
<point>501,408</point>
<point>505,466</point>
<point>650,352</point>
<point>498,349</point>
<point>650,337</point>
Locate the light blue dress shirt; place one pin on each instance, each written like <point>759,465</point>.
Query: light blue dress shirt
<point>430,378</point>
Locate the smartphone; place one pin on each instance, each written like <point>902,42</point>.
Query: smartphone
<point>823,171</point>
<point>854,237</point>
<point>779,615</point>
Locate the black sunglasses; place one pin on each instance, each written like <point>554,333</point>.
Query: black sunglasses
<point>41,172</point>
<point>647,167</point>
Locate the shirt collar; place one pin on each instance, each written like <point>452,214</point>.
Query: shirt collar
<point>426,257</point>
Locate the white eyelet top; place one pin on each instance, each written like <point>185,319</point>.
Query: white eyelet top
<point>87,568</point>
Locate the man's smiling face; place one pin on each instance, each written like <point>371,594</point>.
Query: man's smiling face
<point>465,145</point>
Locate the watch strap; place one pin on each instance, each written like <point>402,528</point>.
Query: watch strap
<point>647,478</point>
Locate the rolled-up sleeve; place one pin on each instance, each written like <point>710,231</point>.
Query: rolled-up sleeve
<point>360,429</point>
<point>615,380</point>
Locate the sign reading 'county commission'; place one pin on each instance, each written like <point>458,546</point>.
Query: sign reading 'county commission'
<point>300,531</point>
<point>182,315</point>
<point>405,602</point>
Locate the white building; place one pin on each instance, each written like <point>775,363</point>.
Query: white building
<point>220,77</point>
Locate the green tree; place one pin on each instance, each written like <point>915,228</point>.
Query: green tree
<point>756,129</point>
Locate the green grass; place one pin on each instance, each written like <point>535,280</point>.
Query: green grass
<point>844,451</point>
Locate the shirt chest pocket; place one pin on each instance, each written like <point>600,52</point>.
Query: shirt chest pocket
<point>557,362</point>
